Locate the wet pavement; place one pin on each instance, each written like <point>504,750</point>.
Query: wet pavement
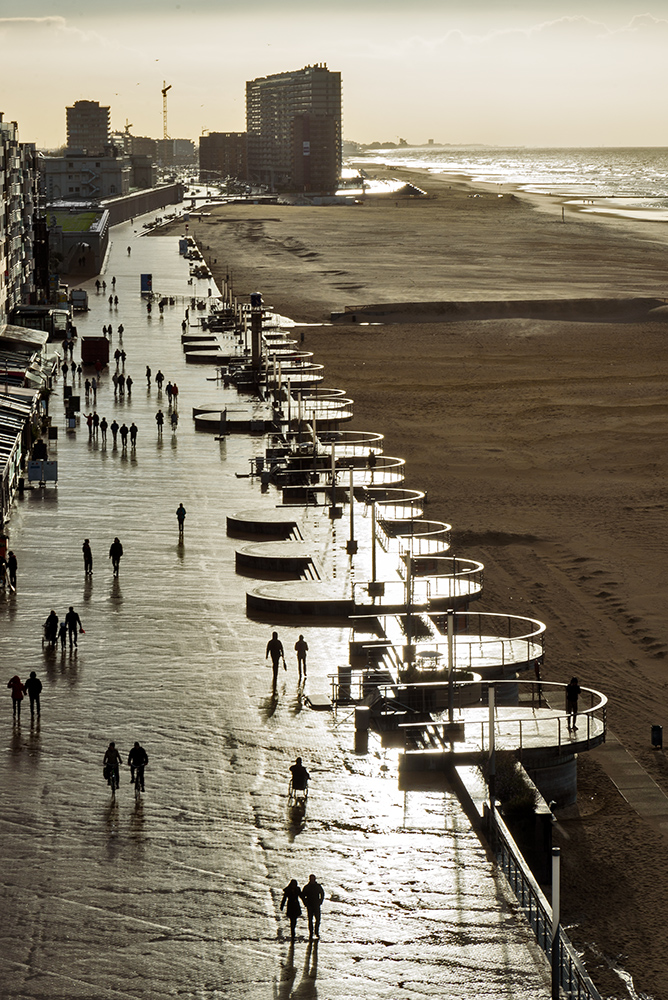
<point>179,894</point>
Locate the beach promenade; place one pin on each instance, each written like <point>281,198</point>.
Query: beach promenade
<point>541,440</point>
<point>180,894</point>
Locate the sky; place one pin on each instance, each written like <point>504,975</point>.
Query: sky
<point>532,73</point>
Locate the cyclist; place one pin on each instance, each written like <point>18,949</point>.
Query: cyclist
<point>112,763</point>
<point>137,760</point>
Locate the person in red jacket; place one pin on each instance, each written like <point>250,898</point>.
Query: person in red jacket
<point>18,690</point>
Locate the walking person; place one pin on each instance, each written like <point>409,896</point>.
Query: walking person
<point>174,420</point>
<point>313,895</point>
<point>124,437</point>
<point>33,687</point>
<point>87,557</point>
<point>115,553</point>
<point>291,896</point>
<point>301,649</point>
<point>62,635</point>
<point>51,629</point>
<point>18,690</point>
<point>133,435</point>
<point>275,649</point>
<point>159,419</point>
<point>180,517</point>
<point>148,377</point>
<point>573,692</point>
<point>96,423</point>
<point>113,426</point>
<point>103,427</point>
<point>168,390</point>
<point>175,394</point>
<point>94,382</point>
<point>159,379</point>
<point>74,625</point>
<point>128,384</point>
<point>12,567</point>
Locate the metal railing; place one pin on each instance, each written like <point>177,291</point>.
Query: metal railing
<point>573,976</point>
<point>594,717</point>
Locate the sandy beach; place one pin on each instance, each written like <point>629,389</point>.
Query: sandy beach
<point>541,441</point>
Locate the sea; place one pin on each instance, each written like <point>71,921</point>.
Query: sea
<point>627,181</point>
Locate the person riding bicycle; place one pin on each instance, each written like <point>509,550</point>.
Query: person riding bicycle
<point>300,776</point>
<point>112,763</point>
<point>137,760</point>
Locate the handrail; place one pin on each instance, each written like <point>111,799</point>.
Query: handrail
<point>597,711</point>
<point>573,975</point>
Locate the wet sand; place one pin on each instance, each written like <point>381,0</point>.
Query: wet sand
<point>542,442</point>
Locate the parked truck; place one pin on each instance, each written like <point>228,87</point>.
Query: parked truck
<point>79,299</point>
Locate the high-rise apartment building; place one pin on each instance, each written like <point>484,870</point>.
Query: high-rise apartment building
<point>18,211</point>
<point>88,127</point>
<point>277,146</point>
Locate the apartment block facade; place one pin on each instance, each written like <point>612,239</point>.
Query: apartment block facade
<point>276,150</point>
<point>88,127</point>
<point>223,154</point>
<point>19,207</point>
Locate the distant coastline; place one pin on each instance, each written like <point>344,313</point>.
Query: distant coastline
<point>621,184</point>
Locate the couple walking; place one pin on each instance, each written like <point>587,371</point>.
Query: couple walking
<point>277,653</point>
<point>312,896</point>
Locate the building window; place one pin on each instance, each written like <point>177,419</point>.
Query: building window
<point>71,190</point>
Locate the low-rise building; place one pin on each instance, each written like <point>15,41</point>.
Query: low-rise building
<point>79,176</point>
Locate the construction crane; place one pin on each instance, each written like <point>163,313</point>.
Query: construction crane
<point>165,88</point>
<point>128,126</point>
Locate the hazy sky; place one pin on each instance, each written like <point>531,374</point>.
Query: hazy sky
<point>531,73</point>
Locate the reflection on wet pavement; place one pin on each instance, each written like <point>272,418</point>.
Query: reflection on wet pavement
<point>180,893</point>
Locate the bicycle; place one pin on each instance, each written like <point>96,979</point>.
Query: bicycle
<point>137,778</point>
<point>111,775</point>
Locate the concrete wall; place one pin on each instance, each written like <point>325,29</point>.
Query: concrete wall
<point>132,205</point>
